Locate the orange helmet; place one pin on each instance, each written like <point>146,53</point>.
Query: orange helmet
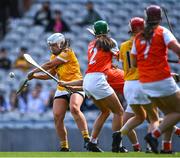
<point>153,14</point>
<point>136,24</point>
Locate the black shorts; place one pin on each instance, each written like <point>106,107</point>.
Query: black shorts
<point>67,96</point>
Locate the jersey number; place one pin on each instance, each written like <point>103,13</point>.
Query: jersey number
<point>92,60</point>
<point>146,52</point>
<point>128,59</point>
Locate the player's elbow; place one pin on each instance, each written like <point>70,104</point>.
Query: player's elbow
<point>175,47</point>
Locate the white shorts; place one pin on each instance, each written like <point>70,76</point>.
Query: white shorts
<point>59,93</point>
<point>95,85</point>
<point>134,94</point>
<point>129,109</point>
<point>161,88</point>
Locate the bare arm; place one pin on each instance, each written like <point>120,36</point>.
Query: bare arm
<point>71,83</point>
<point>47,66</point>
<point>44,76</point>
<point>75,88</point>
<point>50,65</point>
<point>175,47</point>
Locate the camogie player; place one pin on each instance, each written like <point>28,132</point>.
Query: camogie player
<point>149,54</point>
<point>134,95</point>
<point>64,64</point>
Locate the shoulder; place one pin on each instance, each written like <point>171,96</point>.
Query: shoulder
<point>114,40</point>
<point>91,44</point>
<point>164,29</point>
<point>126,43</point>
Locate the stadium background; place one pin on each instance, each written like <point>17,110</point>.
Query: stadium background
<point>34,131</point>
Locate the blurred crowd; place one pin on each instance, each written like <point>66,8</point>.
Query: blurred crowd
<point>51,20</point>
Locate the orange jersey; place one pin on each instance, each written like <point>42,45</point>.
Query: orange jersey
<point>115,77</point>
<point>99,60</point>
<point>125,56</point>
<point>152,58</point>
<point>70,70</point>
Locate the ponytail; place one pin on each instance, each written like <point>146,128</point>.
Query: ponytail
<point>148,31</point>
<point>105,43</point>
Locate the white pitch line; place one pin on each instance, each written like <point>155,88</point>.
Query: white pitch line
<point>80,157</point>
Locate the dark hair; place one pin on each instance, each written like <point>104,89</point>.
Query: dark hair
<point>66,44</point>
<point>148,31</point>
<point>24,49</point>
<point>104,42</point>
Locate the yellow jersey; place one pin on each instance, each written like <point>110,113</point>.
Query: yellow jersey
<point>125,56</point>
<point>70,70</point>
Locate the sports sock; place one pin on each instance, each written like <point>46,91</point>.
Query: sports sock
<point>166,145</point>
<point>93,140</point>
<point>85,134</point>
<point>64,144</point>
<point>136,147</point>
<point>156,133</point>
<point>177,131</point>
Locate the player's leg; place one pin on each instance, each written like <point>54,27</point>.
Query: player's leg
<point>59,110</point>
<point>113,103</point>
<point>166,142</point>
<point>170,104</point>
<point>75,103</point>
<point>137,119</point>
<point>96,86</point>
<point>132,134</point>
<point>167,138</point>
<point>98,124</point>
<point>152,115</point>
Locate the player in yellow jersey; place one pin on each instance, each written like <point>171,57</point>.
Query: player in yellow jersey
<point>64,64</point>
<point>132,90</point>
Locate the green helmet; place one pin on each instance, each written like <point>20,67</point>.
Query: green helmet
<point>100,27</point>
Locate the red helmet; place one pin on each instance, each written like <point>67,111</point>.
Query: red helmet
<point>153,14</point>
<point>136,24</point>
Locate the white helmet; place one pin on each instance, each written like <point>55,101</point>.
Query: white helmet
<point>56,38</point>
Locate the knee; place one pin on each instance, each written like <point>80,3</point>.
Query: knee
<point>58,117</point>
<point>74,109</point>
<point>120,111</point>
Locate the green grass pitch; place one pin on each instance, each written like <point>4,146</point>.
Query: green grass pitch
<point>81,154</point>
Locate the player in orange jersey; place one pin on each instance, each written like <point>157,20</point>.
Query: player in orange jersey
<point>149,54</point>
<point>64,64</point>
<point>95,85</point>
<point>134,95</point>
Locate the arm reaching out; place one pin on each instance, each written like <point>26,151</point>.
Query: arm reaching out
<point>42,76</point>
<point>71,83</point>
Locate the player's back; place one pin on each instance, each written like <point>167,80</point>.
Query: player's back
<point>98,59</point>
<point>125,56</point>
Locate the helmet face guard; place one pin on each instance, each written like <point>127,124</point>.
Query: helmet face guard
<point>99,28</point>
<point>153,14</point>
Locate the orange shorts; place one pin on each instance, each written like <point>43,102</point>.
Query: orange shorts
<point>115,78</point>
